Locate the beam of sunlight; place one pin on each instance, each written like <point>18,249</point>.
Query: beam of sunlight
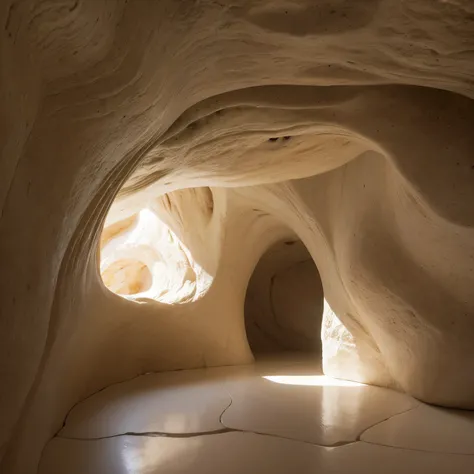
<point>311,380</point>
<point>149,262</point>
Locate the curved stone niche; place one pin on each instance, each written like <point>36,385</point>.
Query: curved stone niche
<point>284,302</point>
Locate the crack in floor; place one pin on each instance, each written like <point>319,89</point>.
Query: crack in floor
<point>157,434</point>
<point>226,429</point>
<point>154,434</point>
<point>382,421</point>
<point>259,433</point>
<point>151,434</point>
<point>223,411</point>
<point>418,450</point>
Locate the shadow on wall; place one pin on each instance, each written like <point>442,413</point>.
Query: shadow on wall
<point>284,302</point>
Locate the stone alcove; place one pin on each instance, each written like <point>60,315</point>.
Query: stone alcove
<point>284,302</point>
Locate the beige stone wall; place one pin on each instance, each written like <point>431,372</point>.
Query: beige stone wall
<point>142,98</point>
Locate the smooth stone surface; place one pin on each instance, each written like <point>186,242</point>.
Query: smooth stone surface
<point>427,428</point>
<point>237,453</point>
<point>293,401</point>
<point>312,408</point>
<point>172,402</point>
<point>187,401</point>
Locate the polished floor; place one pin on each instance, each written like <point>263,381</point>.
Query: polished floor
<point>271,417</point>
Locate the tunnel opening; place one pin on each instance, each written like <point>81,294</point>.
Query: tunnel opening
<point>148,248</point>
<point>284,304</point>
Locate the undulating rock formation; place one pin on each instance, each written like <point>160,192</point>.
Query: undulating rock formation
<point>171,145</point>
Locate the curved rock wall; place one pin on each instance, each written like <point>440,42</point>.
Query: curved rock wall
<point>140,99</point>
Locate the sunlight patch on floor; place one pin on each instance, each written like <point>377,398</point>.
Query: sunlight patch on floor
<point>311,380</point>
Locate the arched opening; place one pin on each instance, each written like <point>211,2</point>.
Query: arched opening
<point>157,248</point>
<point>284,303</point>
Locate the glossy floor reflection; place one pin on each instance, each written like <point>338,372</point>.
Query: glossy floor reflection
<point>269,417</point>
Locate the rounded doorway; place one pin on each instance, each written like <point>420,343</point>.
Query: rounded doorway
<point>284,303</point>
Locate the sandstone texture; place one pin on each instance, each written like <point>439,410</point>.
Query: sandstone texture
<point>158,156</point>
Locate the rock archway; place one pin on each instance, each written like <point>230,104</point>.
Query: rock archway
<point>348,126</point>
<point>284,302</point>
